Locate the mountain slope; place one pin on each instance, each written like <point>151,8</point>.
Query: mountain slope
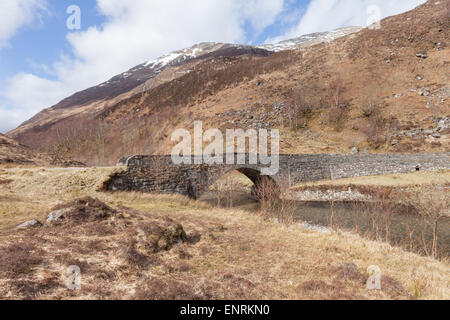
<point>158,71</point>
<point>380,90</point>
<point>12,152</point>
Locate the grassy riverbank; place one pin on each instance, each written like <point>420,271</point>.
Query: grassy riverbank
<point>392,180</point>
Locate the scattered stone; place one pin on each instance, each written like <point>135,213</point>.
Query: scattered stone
<point>443,124</point>
<point>419,77</point>
<point>30,224</point>
<point>355,150</point>
<point>421,55</point>
<point>395,142</point>
<point>330,195</point>
<point>424,92</point>
<point>57,215</point>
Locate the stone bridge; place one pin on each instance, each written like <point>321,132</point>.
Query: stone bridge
<point>160,175</point>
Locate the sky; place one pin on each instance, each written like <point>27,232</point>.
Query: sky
<point>50,49</point>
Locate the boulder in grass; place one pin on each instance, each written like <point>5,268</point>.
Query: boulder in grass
<point>30,224</point>
<point>57,215</point>
<point>421,55</point>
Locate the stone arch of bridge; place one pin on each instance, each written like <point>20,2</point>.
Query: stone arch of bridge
<point>263,185</point>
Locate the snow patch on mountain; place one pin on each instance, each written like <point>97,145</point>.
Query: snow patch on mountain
<point>152,68</point>
<point>164,60</point>
<point>310,39</point>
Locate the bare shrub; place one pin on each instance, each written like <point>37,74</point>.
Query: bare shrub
<point>301,105</point>
<point>225,190</point>
<point>374,218</point>
<point>432,203</point>
<point>376,126</point>
<point>337,107</point>
<point>274,201</point>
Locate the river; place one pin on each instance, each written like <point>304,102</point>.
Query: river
<point>406,229</point>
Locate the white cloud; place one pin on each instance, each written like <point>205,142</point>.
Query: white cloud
<point>14,14</point>
<point>29,93</point>
<point>326,15</point>
<point>136,31</point>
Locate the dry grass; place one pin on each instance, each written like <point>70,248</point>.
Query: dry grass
<point>228,254</point>
<point>392,180</point>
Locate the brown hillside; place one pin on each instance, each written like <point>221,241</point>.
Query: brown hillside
<point>12,152</point>
<point>382,90</point>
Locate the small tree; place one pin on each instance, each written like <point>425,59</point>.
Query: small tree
<point>274,200</point>
<point>433,204</point>
<point>338,108</point>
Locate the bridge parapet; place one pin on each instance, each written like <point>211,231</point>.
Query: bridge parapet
<point>159,174</point>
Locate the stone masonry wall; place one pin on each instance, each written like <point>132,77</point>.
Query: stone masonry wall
<point>159,174</point>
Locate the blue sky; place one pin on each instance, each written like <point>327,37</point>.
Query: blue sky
<point>42,62</point>
<point>43,41</point>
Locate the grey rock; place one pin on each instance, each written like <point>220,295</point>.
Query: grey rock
<point>354,150</point>
<point>30,224</point>
<point>57,216</point>
<point>421,55</point>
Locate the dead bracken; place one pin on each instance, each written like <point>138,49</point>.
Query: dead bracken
<point>81,211</point>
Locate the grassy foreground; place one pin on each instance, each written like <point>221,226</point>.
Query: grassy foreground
<point>228,254</point>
